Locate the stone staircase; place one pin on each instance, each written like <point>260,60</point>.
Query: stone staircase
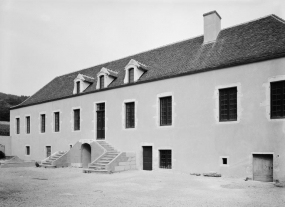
<point>48,162</point>
<point>100,164</point>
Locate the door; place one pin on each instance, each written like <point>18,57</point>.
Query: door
<point>263,167</point>
<point>48,150</point>
<point>85,155</point>
<point>147,158</point>
<point>101,121</point>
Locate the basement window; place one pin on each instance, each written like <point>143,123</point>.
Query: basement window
<point>28,150</point>
<point>225,161</point>
<point>165,159</point>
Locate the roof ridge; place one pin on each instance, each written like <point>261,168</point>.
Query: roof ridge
<point>278,18</point>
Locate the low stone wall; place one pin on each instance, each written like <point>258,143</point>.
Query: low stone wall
<point>127,162</point>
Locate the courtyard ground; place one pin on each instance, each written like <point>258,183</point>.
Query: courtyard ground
<point>30,186</point>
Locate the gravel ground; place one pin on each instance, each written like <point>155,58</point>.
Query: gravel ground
<point>30,186</point>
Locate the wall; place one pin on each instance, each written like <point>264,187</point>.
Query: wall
<point>197,139</point>
<point>6,141</point>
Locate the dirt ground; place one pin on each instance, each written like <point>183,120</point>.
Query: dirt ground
<point>30,186</point>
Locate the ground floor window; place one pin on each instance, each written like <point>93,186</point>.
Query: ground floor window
<point>28,150</point>
<point>165,159</point>
<point>48,151</point>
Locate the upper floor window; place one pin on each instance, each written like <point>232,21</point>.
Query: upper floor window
<point>165,111</point>
<point>28,124</point>
<point>101,79</point>
<point>43,123</point>
<point>76,119</point>
<point>277,100</point>
<point>56,121</point>
<point>131,75</point>
<point>77,87</point>
<point>130,115</point>
<point>228,104</point>
<point>18,125</point>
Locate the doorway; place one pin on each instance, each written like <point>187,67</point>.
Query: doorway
<point>85,155</point>
<point>147,157</point>
<point>263,167</point>
<point>101,121</point>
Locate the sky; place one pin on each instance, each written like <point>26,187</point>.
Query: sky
<point>42,39</point>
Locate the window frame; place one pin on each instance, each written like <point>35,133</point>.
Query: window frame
<point>28,124</point>
<point>282,100</point>
<point>166,159</point>
<point>76,123</point>
<point>42,126</point>
<point>167,121</point>
<point>131,72</point>
<point>77,87</point>
<point>18,128</point>
<point>27,149</point>
<point>101,82</point>
<point>130,108</point>
<point>228,90</point>
<point>56,122</point>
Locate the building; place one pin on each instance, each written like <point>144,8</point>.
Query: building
<point>5,139</point>
<point>210,103</point>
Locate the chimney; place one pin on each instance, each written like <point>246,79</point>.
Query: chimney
<point>212,26</point>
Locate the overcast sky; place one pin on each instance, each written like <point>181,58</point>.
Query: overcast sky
<point>42,39</point>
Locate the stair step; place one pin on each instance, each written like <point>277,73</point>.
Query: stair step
<point>94,171</point>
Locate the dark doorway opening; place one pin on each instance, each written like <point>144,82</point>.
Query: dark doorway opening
<point>101,121</point>
<point>263,167</point>
<point>85,155</point>
<point>147,158</point>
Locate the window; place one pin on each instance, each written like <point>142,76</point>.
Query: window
<point>28,124</point>
<point>228,104</point>
<point>277,100</point>
<point>70,146</point>
<point>78,87</point>
<point>48,151</point>
<point>165,159</point>
<point>165,111</point>
<point>130,115</point>
<point>76,113</point>
<point>18,125</point>
<point>101,82</point>
<point>43,123</point>
<point>225,161</point>
<point>131,75</point>
<point>56,121</point>
<point>28,150</point>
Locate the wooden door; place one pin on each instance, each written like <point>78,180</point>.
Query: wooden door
<point>263,167</point>
<point>48,149</point>
<point>147,158</point>
<point>101,121</point>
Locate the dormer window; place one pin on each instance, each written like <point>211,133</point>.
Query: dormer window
<point>134,70</point>
<point>131,75</point>
<point>105,77</point>
<point>101,81</point>
<point>81,82</point>
<point>78,87</point>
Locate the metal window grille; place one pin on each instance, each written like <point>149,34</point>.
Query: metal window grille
<point>27,150</point>
<point>165,111</point>
<point>18,125</point>
<point>277,100</point>
<point>28,124</point>
<point>131,75</point>
<point>130,115</point>
<point>228,104</point>
<point>78,87</point>
<point>43,123</point>
<point>101,107</point>
<point>165,159</point>
<point>101,82</point>
<point>77,119</point>
<point>56,121</point>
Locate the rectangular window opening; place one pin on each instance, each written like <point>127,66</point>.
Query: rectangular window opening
<point>165,159</point>
<point>56,121</point>
<point>225,161</point>
<point>76,119</point>
<point>27,150</point>
<point>101,82</point>
<point>165,111</point>
<point>43,123</point>
<point>48,151</point>
<point>277,106</point>
<point>28,124</point>
<point>131,75</point>
<point>18,125</point>
<point>130,115</point>
<point>78,87</point>
<point>228,104</point>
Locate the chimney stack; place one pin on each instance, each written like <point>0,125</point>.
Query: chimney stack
<point>212,26</point>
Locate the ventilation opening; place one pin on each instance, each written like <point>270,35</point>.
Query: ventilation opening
<point>225,161</point>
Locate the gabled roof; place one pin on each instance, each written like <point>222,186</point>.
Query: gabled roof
<point>258,40</point>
